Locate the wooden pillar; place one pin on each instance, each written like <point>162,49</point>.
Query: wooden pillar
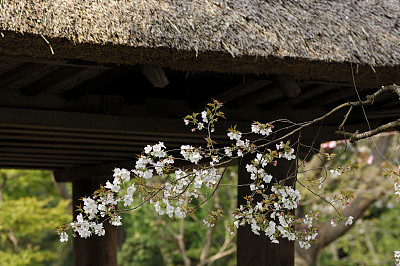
<point>95,250</point>
<point>258,250</point>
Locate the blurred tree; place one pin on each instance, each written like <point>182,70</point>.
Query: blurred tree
<point>370,158</point>
<point>30,209</point>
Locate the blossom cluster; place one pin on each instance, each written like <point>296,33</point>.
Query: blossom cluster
<point>349,221</point>
<point>394,174</point>
<point>340,170</point>
<point>397,188</point>
<point>85,228</point>
<point>397,257</point>
<point>272,216</point>
<point>288,152</point>
<point>262,129</point>
<point>102,203</point>
<point>156,180</point>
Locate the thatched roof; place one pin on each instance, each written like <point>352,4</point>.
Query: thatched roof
<point>364,32</point>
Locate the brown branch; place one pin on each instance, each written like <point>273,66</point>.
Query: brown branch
<point>178,237</point>
<point>221,255</point>
<point>346,117</point>
<point>14,241</point>
<point>181,243</point>
<point>228,239</point>
<point>369,101</point>
<point>210,231</point>
<point>61,188</point>
<point>395,125</point>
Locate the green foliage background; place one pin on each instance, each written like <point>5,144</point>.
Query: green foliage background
<point>30,210</point>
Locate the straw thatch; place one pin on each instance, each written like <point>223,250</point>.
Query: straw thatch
<point>365,31</point>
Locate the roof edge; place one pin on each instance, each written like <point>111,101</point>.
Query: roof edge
<point>59,49</point>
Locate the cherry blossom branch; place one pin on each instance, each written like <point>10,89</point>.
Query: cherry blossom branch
<point>278,199</point>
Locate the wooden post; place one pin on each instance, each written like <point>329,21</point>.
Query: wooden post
<point>258,250</point>
<point>93,251</point>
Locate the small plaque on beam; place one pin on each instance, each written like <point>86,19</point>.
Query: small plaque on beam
<point>112,104</point>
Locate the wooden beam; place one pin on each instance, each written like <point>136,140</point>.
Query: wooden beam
<point>7,66</point>
<point>79,158</point>
<point>264,95</point>
<point>155,75</point>
<point>37,165</point>
<point>288,85</point>
<point>28,167</point>
<point>85,122</point>
<point>386,113</point>
<point>95,250</point>
<point>101,171</point>
<point>361,83</point>
<point>59,75</point>
<point>18,73</point>
<point>104,155</point>
<point>342,95</point>
<point>56,145</point>
<point>174,142</point>
<point>314,92</point>
<point>271,113</point>
<point>92,136</point>
<point>99,123</point>
<point>14,158</point>
<point>241,90</point>
<point>92,84</point>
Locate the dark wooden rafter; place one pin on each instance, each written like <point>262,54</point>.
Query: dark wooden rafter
<point>308,94</point>
<point>49,152</point>
<point>62,145</point>
<point>264,95</point>
<point>100,171</point>
<point>389,105</point>
<point>155,75</point>
<point>7,66</point>
<point>74,122</point>
<point>361,84</point>
<point>288,85</point>
<point>342,95</point>
<point>384,113</point>
<point>51,79</point>
<point>47,160</point>
<point>241,90</point>
<point>84,137</point>
<point>92,84</point>
<point>74,157</point>
<point>35,165</point>
<point>116,143</point>
<point>84,122</point>
<point>18,73</point>
<point>91,172</point>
